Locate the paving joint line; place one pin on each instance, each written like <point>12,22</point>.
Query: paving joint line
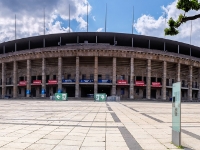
<point>127,136</point>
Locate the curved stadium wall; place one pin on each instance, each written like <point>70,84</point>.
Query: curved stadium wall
<point>81,64</point>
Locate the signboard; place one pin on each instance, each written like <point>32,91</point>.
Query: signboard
<point>68,80</point>
<point>37,82</point>
<point>122,82</point>
<point>86,81</point>
<point>176,114</point>
<point>156,84</point>
<point>61,96</point>
<point>104,81</point>
<point>52,81</point>
<point>139,83</point>
<point>101,97</point>
<point>22,83</point>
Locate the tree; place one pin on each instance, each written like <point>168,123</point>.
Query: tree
<point>186,6</point>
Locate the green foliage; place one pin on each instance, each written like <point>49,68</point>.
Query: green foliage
<point>185,5</point>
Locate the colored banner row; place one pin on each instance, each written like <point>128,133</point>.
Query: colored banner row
<point>121,82</point>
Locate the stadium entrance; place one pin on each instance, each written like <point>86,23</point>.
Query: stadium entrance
<point>87,91</point>
<point>69,89</point>
<point>105,89</point>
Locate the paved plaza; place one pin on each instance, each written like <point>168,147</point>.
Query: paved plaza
<point>88,125</point>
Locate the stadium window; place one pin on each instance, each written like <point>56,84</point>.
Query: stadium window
<point>83,76</point>
<point>107,77</point>
<point>33,78</point>
<point>54,77</point>
<point>145,80</point>
<point>91,76</point>
<point>69,76</point>
<point>47,78</point>
<point>172,81</point>
<point>99,77</point>
<point>122,77</point>
<point>138,78</point>
<point>167,82</point>
<point>39,77</point>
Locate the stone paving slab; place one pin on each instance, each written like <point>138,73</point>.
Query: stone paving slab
<point>88,125</point>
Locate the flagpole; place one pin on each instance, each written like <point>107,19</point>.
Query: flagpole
<point>69,18</point>
<point>87,17</point>
<point>191,34</point>
<point>133,20</point>
<point>15,27</point>
<point>44,20</point>
<point>165,22</point>
<point>106,18</point>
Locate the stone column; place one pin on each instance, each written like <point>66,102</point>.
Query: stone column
<point>164,80</point>
<point>190,84</point>
<point>28,86</point>
<point>148,88</point>
<point>178,79</point>
<point>15,66</point>
<point>60,74</point>
<point>199,84</point>
<point>77,78</point>
<point>43,92</point>
<point>131,78</point>
<point>3,80</point>
<point>96,74</point>
<point>114,77</point>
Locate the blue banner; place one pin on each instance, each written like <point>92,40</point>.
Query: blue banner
<point>43,91</point>
<point>86,81</point>
<point>28,91</point>
<point>68,80</point>
<point>104,81</point>
<point>59,91</point>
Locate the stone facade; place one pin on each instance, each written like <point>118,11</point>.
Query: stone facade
<point>99,62</point>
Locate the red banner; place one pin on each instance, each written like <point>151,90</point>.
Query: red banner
<point>156,84</point>
<point>37,82</point>
<point>22,83</point>
<point>122,82</point>
<point>52,81</point>
<point>139,83</point>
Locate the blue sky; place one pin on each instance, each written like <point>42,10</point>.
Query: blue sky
<point>119,16</point>
<point>148,16</point>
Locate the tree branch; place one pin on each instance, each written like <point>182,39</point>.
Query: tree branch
<point>185,19</point>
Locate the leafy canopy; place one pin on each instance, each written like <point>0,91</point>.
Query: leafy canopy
<point>186,6</point>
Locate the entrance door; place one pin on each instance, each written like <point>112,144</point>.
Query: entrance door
<point>104,90</point>
<point>70,90</point>
<point>87,91</point>
<point>33,92</point>
<point>144,93</point>
<point>153,93</point>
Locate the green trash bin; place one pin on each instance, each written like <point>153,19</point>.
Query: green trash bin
<point>100,97</point>
<point>61,96</point>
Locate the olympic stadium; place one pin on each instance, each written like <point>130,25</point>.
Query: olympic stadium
<point>84,63</point>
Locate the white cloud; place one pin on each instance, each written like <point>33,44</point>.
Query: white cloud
<point>93,17</point>
<point>99,30</point>
<point>148,25</point>
<point>30,21</point>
